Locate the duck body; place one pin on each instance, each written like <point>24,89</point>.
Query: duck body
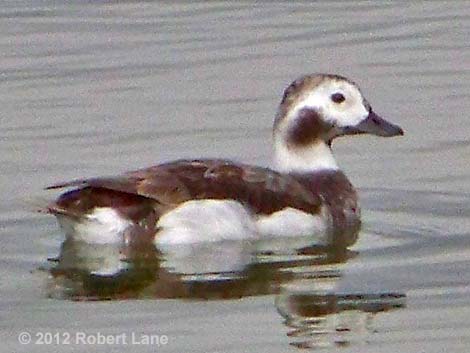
<point>197,200</point>
<point>189,201</point>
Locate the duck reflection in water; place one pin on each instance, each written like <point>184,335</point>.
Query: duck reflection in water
<point>226,269</point>
<point>304,282</point>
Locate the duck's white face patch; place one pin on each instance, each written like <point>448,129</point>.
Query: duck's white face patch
<point>348,112</point>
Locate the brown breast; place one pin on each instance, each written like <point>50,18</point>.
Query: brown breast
<point>342,201</point>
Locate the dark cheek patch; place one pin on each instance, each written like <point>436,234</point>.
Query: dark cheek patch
<point>308,127</point>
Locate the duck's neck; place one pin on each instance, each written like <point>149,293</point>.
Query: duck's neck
<point>313,158</point>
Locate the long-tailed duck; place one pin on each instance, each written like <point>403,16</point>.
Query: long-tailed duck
<point>188,201</point>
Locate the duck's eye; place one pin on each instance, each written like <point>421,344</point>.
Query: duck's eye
<point>338,98</point>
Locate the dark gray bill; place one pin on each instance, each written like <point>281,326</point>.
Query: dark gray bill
<point>375,125</point>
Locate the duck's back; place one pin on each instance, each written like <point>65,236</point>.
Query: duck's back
<point>168,185</point>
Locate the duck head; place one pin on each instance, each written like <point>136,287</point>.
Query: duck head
<point>315,109</point>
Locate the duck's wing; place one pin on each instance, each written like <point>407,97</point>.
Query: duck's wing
<point>260,189</point>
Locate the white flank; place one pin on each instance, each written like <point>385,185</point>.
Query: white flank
<point>103,226</point>
<point>291,222</point>
<point>205,220</point>
<point>315,157</point>
<point>199,221</point>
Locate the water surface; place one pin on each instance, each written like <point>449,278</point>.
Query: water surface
<point>96,88</point>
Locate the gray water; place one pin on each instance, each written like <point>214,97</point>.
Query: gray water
<point>97,88</point>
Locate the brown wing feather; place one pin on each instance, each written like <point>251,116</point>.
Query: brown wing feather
<point>263,190</point>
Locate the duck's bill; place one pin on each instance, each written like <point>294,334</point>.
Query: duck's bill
<point>375,125</point>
